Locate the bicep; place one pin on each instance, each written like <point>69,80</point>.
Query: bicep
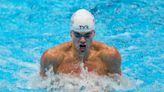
<point>50,59</point>
<point>116,67</point>
<point>46,61</point>
<point>113,60</point>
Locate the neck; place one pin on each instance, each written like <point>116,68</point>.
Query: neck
<point>80,56</point>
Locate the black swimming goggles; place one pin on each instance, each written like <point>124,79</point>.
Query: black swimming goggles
<point>85,35</point>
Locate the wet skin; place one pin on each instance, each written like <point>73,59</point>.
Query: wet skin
<point>67,57</point>
<point>102,59</point>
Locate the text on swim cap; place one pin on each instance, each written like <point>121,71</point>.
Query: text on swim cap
<point>84,27</point>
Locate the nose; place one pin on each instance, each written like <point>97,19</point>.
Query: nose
<point>82,40</point>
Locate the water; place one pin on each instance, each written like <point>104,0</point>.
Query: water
<point>29,27</point>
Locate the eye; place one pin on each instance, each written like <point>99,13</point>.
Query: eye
<point>77,35</point>
<point>87,35</point>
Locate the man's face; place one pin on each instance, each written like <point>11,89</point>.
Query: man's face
<point>82,40</point>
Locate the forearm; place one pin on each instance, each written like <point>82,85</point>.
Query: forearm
<point>42,69</point>
<point>46,65</point>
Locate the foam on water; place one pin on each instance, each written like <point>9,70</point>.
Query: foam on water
<point>85,82</point>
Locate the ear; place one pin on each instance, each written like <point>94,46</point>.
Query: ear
<point>93,33</point>
<point>71,34</point>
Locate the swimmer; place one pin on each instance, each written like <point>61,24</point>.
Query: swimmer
<point>95,56</point>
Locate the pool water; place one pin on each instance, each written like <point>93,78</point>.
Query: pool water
<point>29,27</point>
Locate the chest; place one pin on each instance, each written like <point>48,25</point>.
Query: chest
<point>75,67</point>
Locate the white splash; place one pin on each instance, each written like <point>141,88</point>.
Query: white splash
<point>86,82</point>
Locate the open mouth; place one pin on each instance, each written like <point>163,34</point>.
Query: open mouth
<point>82,47</point>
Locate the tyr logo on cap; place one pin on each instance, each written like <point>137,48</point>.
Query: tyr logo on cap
<point>84,27</point>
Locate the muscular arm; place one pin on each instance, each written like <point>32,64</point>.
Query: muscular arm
<point>53,57</point>
<point>48,59</point>
<point>113,60</point>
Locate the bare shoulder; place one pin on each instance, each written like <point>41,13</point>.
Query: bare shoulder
<point>99,46</point>
<point>56,53</point>
<point>111,52</point>
<point>63,47</point>
<point>110,56</point>
<point>105,50</point>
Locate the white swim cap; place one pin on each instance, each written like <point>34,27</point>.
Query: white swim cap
<point>82,21</point>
